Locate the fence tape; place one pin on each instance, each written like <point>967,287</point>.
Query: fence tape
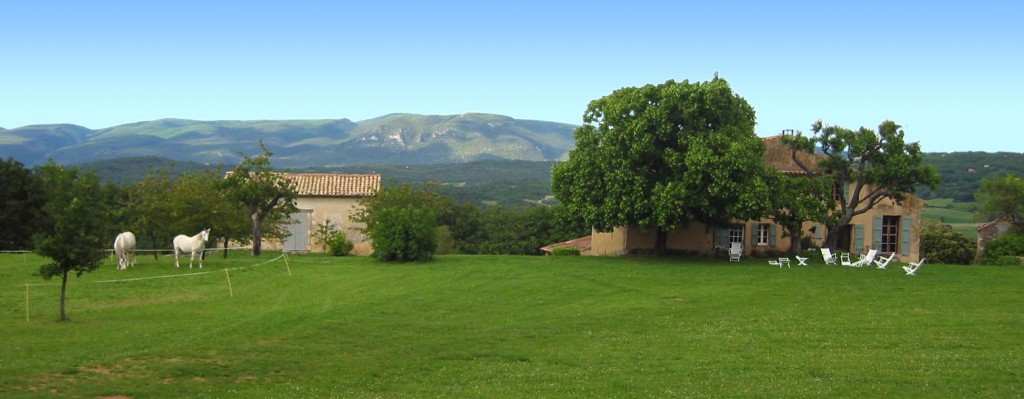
<point>156,277</point>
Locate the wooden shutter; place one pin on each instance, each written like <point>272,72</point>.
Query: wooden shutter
<point>858,238</point>
<point>876,233</point>
<point>722,237</point>
<point>771,234</point>
<point>906,229</point>
<point>819,231</point>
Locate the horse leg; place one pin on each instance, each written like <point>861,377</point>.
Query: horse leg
<point>176,257</point>
<point>192,256</point>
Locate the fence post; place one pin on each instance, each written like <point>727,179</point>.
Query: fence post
<point>230,291</point>
<point>27,320</point>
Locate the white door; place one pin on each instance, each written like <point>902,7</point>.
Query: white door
<point>299,240</point>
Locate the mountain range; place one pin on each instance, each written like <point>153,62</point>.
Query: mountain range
<point>403,139</point>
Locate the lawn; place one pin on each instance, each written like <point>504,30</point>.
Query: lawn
<point>507,326</point>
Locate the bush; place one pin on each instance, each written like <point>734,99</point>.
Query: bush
<point>338,244</point>
<point>1008,245</point>
<point>404,234</point>
<point>941,244</point>
<point>566,251</point>
<point>1007,260</point>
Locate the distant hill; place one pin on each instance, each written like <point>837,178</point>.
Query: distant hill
<point>404,139</point>
<point>961,173</point>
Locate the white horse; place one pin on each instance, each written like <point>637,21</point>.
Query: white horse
<point>196,243</point>
<point>124,248</point>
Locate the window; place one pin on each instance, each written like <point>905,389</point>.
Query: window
<point>761,231</point>
<point>736,233</point>
<point>890,233</point>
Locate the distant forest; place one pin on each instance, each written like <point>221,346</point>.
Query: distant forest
<point>961,173</point>
<point>524,183</point>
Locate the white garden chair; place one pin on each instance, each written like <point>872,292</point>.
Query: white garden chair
<point>781,262</point>
<point>735,251</point>
<point>911,269</point>
<point>801,260</point>
<point>866,259</point>
<point>826,255</point>
<point>844,259</point>
<point>883,262</point>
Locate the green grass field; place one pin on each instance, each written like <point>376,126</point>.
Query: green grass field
<point>944,210</point>
<point>506,326</point>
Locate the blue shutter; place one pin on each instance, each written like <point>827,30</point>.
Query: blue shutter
<point>858,238</point>
<point>907,228</point>
<point>876,233</point>
<point>771,235</point>
<point>819,231</point>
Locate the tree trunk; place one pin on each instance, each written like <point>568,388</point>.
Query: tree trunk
<point>257,236</point>
<point>225,247</point>
<point>795,238</point>
<point>156,254</point>
<point>832,237</point>
<point>661,242</point>
<point>63,295</point>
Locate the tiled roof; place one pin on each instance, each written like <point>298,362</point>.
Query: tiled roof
<point>582,243</point>
<point>334,185</point>
<point>779,156</point>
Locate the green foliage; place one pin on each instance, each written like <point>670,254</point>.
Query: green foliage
<point>324,232</point>
<point>338,244</point>
<point>21,205</point>
<point>268,197</point>
<point>1007,260</point>
<point>75,227</point>
<point>664,156</point>
<point>941,244</point>
<point>403,234</point>
<point>869,166</point>
<point>566,251</point>
<point>1007,245</point>
<point>512,231</point>
<point>1002,197</point>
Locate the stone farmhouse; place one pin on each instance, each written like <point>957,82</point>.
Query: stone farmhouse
<point>888,227</point>
<point>323,197</point>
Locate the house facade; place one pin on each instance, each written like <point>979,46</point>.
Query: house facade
<point>327,197</point>
<point>889,227</point>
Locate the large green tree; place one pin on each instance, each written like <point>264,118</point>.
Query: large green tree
<point>402,220</point>
<point>21,205</point>
<point>76,226</point>
<point>1002,197</point>
<point>865,167</point>
<point>794,200</point>
<point>664,156</point>
<point>267,196</point>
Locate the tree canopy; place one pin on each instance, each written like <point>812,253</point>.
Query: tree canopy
<point>663,156</point>
<point>21,205</point>
<point>1002,197</point>
<point>76,226</point>
<point>265,194</point>
<point>868,166</point>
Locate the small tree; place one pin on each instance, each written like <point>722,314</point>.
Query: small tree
<point>401,221</point>
<point>1002,197</point>
<point>267,196</point>
<point>323,233</point>
<point>941,244</point>
<point>75,233</point>
<point>867,166</point>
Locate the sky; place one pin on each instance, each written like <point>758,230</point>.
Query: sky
<point>949,72</point>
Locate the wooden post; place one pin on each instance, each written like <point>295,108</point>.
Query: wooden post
<point>286,263</point>
<point>230,291</point>
<point>26,304</point>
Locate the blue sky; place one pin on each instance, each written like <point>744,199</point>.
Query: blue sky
<point>949,72</point>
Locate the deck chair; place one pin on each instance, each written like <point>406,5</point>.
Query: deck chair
<point>911,269</point>
<point>826,255</point>
<point>844,259</point>
<point>802,260</point>
<point>735,251</point>
<point>781,262</point>
<point>866,259</point>
<point>883,262</point>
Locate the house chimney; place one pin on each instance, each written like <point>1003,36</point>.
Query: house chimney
<point>788,132</point>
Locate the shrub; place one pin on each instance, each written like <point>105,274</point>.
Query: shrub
<point>1007,260</point>
<point>1008,245</point>
<point>338,244</point>
<point>566,251</point>
<point>404,234</point>
<point>941,244</point>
